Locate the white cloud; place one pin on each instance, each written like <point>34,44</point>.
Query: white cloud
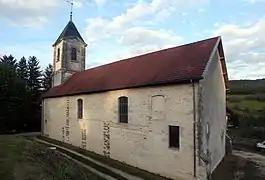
<point>27,13</point>
<point>244,45</point>
<point>132,29</point>
<point>77,4</point>
<point>141,36</point>
<point>100,2</point>
<point>254,1</point>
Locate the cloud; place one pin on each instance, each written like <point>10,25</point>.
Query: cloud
<point>254,1</point>
<point>132,29</point>
<point>143,11</point>
<point>27,13</point>
<point>244,46</point>
<point>141,36</point>
<point>100,2</point>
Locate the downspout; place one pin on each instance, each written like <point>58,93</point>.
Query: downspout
<point>194,129</point>
<point>42,117</point>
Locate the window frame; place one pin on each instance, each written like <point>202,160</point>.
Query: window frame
<point>123,109</point>
<point>80,108</point>
<point>172,145</point>
<point>73,54</point>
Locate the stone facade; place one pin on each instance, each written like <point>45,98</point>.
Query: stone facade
<point>63,65</point>
<point>198,110</point>
<point>143,142</point>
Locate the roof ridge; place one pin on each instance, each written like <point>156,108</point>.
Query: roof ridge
<point>153,52</point>
<point>172,65</point>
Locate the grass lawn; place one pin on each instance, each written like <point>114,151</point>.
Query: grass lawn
<point>24,159</point>
<point>242,102</point>
<point>108,161</point>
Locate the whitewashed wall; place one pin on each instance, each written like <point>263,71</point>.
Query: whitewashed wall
<point>214,114</point>
<point>143,142</point>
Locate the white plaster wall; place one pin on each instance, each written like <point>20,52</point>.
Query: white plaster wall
<point>54,114</point>
<point>213,113</point>
<point>143,142</point>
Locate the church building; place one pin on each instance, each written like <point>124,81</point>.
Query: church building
<point>163,112</point>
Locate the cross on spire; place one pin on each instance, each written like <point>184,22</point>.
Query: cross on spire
<point>71,12</point>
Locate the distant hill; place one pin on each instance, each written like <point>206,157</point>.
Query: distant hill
<point>246,86</point>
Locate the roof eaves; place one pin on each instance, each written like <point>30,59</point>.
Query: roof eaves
<point>182,81</point>
<point>211,56</point>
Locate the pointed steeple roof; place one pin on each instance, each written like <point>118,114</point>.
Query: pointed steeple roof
<point>70,30</point>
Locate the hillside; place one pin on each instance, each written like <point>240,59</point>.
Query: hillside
<point>247,96</point>
<point>246,99</point>
<point>246,86</point>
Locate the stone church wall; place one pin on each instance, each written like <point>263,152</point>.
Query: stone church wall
<point>144,141</point>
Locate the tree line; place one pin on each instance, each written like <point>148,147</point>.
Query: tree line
<point>22,82</point>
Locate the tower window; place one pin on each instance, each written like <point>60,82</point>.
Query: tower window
<point>73,54</point>
<point>123,109</point>
<point>58,55</point>
<point>80,109</point>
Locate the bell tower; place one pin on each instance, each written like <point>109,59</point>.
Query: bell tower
<point>69,53</point>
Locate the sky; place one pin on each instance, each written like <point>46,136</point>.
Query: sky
<point>118,29</point>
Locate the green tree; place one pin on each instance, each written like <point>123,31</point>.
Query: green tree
<point>22,69</point>
<point>47,78</point>
<point>9,60</point>
<point>12,93</point>
<point>34,100</point>
<point>34,75</point>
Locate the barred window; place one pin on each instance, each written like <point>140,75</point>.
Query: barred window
<point>123,109</point>
<point>80,109</point>
<point>74,54</point>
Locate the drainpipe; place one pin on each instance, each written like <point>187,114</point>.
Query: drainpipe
<point>194,129</point>
<point>42,117</point>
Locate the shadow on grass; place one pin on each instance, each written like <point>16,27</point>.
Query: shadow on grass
<point>24,159</point>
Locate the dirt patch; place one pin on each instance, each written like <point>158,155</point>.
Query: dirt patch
<point>257,159</point>
<point>241,166</point>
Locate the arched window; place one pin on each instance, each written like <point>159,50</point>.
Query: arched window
<point>123,109</point>
<point>73,54</point>
<point>80,109</point>
<point>58,54</point>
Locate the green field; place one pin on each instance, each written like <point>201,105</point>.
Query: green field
<point>24,159</point>
<point>245,103</point>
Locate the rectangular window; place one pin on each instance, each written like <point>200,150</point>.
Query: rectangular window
<point>174,137</point>
<point>123,109</point>
<point>80,109</point>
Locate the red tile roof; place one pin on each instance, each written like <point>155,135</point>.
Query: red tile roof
<point>173,65</point>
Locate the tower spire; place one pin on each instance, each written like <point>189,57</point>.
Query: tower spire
<point>71,13</point>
